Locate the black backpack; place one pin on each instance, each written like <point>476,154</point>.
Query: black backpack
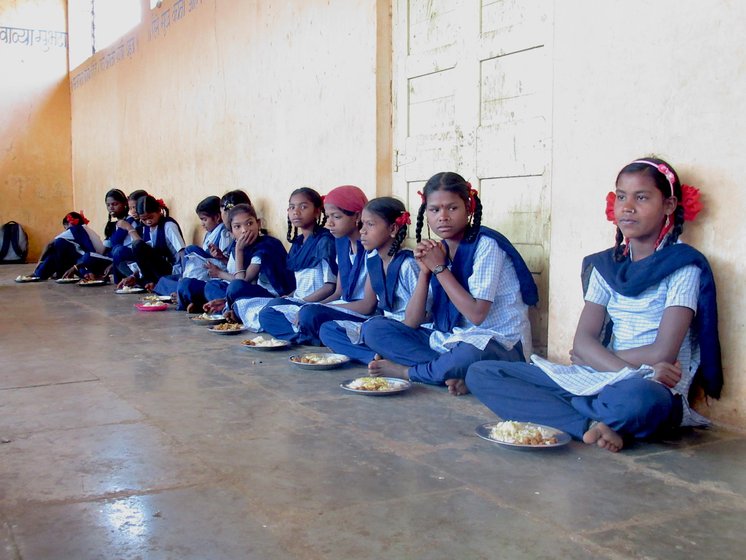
<point>13,244</point>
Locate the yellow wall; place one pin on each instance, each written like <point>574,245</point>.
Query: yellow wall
<point>35,161</point>
<point>270,96</point>
<point>265,96</point>
<point>638,77</point>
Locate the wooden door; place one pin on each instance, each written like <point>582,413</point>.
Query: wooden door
<point>472,94</point>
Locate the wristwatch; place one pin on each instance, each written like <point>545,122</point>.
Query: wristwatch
<point>438,269</point>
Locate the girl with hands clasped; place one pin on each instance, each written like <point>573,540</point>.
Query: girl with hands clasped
<point>481,290</point>
<point>392,276</point>
<point>659,296</point>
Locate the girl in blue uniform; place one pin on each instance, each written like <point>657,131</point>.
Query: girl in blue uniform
<point>69,249</point>
<point>392,276</point>
<point>312,259</point>
<point>481,290</point>
<point>94,267</point>
<point>195,256</point>
<point>159,248</point>
<point>261,269</point>
<point>660,297</point>
<point>121,241</point>
<point>193,295</point>
<point>343,206</point>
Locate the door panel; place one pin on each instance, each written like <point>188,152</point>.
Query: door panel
<point>472,94</point>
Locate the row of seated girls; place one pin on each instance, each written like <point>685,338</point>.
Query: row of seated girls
<point>451,312</point>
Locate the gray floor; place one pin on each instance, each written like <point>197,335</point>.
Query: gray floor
<point>134,435</point>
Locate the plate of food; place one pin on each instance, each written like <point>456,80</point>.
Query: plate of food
<point>319,360</point>
<point>156,297</point>
<point>92,282</point>
<point>22,279</point>
<point>525,435</point>
<point>376,386</point>
<point>70,280</point>
<point>265,343</point>
<point>152,306</point>
<point>208,318</point>
<point>227,328</point>
<point>130,290</point>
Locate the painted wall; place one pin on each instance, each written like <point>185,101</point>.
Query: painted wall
<point>211,95</point>
<point>35,160</point>
<point>669,78</point>
<point>270,95</point>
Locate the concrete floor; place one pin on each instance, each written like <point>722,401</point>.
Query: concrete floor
<point>134,435</point>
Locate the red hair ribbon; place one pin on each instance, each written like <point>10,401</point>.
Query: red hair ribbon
<point>472,198</point>
<point>422,197</point>
<point>403,220</point>
<point>82,216</point>
<point>689,201</point>
<point>72,220</point>
<point>160,202</point>
<point>610,201</point>
<point>323,198</point>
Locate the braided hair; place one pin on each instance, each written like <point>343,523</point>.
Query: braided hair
<point>390,209</point>
<point>111,224</point>
<point>452,182</point>
<point>318,203</point>
<point>666,188</point>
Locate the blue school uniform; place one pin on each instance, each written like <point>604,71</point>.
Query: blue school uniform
<point>121,249</point>
<point>490,268</point>
<point>636,295</point>
<point>76,245</point>
<point>352,275</point>
<point>314,264</point>
<point>194,262</point>
<point>199,292</point>
<point>157,254</point>
<point>393,287</point>
<point>275,279</point>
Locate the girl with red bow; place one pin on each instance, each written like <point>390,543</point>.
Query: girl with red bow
<point>647,331</point>
<point>70,249</point>
<point>472,296</point>
<point>392,277</point>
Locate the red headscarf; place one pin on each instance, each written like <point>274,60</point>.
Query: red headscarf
<point>347,197</point>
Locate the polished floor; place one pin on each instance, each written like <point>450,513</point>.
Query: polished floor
<point>139,435</point>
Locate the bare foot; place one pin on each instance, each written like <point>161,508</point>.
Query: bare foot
<point>380,367</point>
<point>457,387</point>
<point>603,436</point>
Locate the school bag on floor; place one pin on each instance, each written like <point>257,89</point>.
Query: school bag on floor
<point>13,244</point>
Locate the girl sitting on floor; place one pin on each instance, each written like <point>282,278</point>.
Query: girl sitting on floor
<point>343,207</point>
<point>481,289</point>
<point>196,257</point>
<point>392,276</point>
<point>261,269</point>
<point>62,255</point>
<point>312,259</point>
<point>121,241</point>
<point>194,294</point>
<point>660,296</point>
<point>161,246</point>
